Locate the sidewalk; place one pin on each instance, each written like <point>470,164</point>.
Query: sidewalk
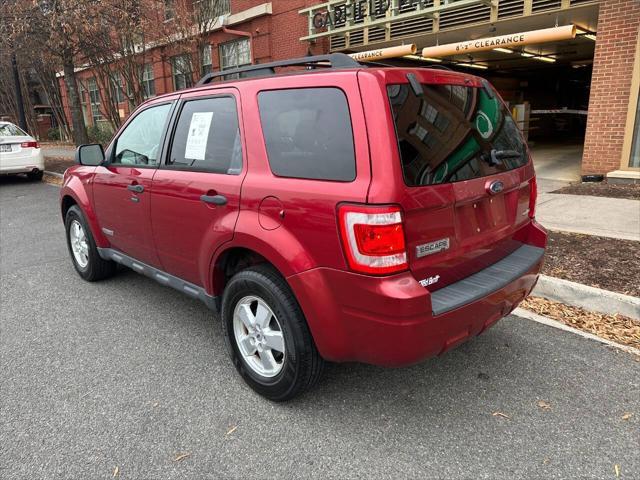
<point>601,216</point>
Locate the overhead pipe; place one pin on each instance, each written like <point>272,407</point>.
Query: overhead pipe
<point>240,33</point>
<point>384,53</point>
<point>553,34</point>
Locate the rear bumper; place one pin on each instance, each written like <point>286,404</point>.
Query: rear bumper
<point>390,321</point>
<point>23,162</point>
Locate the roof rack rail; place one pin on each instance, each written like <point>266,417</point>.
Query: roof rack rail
<point>333,60</point>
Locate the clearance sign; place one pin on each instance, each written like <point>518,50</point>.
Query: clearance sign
<point>512,40</point>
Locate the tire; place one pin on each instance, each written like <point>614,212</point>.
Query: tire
<point>35,176</point>
<point>300,364</point>
<point>95,268</point>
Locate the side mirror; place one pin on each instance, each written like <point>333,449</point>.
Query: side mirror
<point>90,155</point>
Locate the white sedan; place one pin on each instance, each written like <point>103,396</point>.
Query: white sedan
<point>19,152</point>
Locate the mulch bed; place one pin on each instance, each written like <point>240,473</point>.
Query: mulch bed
<point>57,164</point>
<point>603,189</point>
<point>617,328</point>
<point>606,263</point>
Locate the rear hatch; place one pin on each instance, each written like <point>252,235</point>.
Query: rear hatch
<point>467,179</point>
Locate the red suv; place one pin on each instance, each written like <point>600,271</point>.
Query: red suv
<point>338,212</point>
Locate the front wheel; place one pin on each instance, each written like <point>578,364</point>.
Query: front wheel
<point>83,250</point>
<point>267,335</point>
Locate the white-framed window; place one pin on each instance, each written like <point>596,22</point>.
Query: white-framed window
<point>82,91</point>
<point>235,54</point>
<point>205,58</point>
<point>116,89</point>
<point>181,71</point>
<point>94,99</point>
<point>148,81</point>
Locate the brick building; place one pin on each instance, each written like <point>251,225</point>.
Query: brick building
<point>612,142</point>
<point>580,94</point>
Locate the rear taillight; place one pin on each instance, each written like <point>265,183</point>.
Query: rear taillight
<point>533,195</point>
<point>373,238</point>
<point>30,145</point>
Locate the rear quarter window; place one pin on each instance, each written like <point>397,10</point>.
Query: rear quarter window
<point>308,133</point>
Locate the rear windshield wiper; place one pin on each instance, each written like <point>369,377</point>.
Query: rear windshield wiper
<point>496,156</point>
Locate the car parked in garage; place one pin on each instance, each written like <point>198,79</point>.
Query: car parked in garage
<point>19,152</point>
<point>342,213</point>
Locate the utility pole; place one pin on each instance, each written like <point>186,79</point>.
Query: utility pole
<point>22,121</point>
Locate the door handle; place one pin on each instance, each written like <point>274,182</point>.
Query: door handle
<point>136,188</point>
<point>214,199</point>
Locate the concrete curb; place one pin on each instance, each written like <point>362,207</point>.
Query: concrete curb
<point>523,313</point>
<point>589,298</point>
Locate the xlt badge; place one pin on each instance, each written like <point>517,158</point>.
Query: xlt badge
<point>433,247</point>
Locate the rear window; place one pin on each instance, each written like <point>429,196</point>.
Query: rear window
<point>308,134</point>
<point>10,130</point>
<point>453,133</point>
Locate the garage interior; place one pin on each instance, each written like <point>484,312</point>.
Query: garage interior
<point>546,85</point>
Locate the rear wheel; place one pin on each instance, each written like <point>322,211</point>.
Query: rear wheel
<point>83,250</point>
<point>267,335</point>
<point>36,175</point>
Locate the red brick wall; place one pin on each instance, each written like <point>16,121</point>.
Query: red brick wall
<point>618,29</point>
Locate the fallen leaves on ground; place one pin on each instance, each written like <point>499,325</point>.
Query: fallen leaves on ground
<point>52,179</point>
<point>607,263</point>
<point>544,405</point>
<point>116,472</point>
<point>500,414</point>
<point>182,456</point>
<point>232,429</point>
<point>618,328</point>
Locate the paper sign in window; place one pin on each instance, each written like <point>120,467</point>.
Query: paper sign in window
<point>198,135</point>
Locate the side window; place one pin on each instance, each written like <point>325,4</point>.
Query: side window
<point>139,143</point>
<point>308,133</point>
<point>207,137</point>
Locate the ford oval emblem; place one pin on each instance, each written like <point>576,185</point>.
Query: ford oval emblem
<point>496,187</point>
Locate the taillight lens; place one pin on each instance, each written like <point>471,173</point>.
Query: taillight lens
<point>533,195</point>
<point>30,145</point>
<point>373,238</point>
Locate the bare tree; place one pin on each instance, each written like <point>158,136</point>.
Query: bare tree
<point>192,23</point>
<point>35,64</point>
<point>117,50</point>
<point>57,27</point>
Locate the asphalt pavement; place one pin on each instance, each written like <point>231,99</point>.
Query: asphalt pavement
<point>129,378</point>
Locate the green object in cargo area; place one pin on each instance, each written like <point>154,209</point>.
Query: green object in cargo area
<point>487,120</point>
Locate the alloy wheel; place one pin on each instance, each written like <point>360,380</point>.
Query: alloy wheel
<point>259,336</point>
<point>79,244</point>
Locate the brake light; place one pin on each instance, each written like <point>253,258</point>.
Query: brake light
<point>533,195</point>
<point>373,238</point>
<point>30,145</point>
